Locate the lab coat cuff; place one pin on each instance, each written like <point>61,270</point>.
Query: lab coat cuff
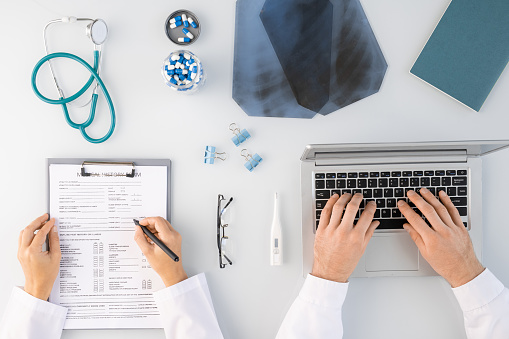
<point>183,287</point>
<point>322,292</point>
<point>478,292</point>
<point>45,309</point>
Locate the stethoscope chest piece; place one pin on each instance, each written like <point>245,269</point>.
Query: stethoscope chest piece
<point>97,31</point>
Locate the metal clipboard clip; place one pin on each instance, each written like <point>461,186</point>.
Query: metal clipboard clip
<point>101,163</point>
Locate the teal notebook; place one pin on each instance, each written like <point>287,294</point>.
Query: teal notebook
<point>468,50</point>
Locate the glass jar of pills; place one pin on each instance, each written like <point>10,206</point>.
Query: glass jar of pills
<point>183,72</point>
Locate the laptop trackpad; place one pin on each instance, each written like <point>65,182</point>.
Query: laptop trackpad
<point>392,252</point>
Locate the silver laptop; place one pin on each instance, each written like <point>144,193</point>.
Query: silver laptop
<point>383,173</point>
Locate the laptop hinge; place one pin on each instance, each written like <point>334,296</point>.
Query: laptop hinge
<point>397,157</point>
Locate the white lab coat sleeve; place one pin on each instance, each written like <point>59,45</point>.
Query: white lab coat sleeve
<point>316,313</point>
<point>187,311</point>
<point>485,305</point>
<point>27,317</point>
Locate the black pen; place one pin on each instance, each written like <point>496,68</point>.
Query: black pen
<point>156,241</point>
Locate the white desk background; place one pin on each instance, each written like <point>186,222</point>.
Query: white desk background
<point>250,297</point>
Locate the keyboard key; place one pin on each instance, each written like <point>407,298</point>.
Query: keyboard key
<point>463,211</point>
<point>396,174</point>
<point>418,173</point>
<point>451,191</point>
<point>465,224</point>
<point>372,183</point>
<point>391,224</point>
<point>377,193</point>
<point>416,210</point>
<point>338,192</point>
<point>355,191</point>
<point>425,181</point>
<point>396,213</point>
<point>323,194</point>
<point>446,181</point>
<point>391,202</point>
<point>386,213</point>
<point>341,175</point>
<point>362,183</point>
<point>367,193</point>
<point>441,189</point>
<point>459,201</point>
<point>374,174</point>
<point>363,175</point>
<point>407,173</point>
<point>330,184</point>
<point>418,190</point>
<point>351,183</point>
<point>404,182</point>
<point>383,182</point>
<point>346,191</point>
<point>440,173</point>
<point>369,200</point>
<point>331,175</point>
<point>459,181</point>
<point>462,191</point>
<point>317,223</point>
<point>429,173</point>
<point>398,192</point>
<point>352,175</point>
<point>320,204</point>
<point>319,176</point>
<point>377,214</point>
<point>385,174</point>
<point>435,181</point>
<point>450,172</point>
<point>393,182</point>
<point>318,214</point>
<point>380,203</point>
<point>388,193</point>
<point>319,184</point>
<point>341,183</point>
<point>432,190</point>
<point>414,182</point>
<point>462,172</point>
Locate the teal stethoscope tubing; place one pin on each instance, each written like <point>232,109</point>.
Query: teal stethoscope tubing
<point>63,102</point>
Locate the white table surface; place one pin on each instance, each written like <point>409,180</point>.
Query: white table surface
<point>251,297</point>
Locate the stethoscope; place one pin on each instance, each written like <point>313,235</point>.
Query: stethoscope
<point>97,31</point>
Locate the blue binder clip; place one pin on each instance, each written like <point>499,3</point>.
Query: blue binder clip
<point>251,160</point>
<point>240,136</point>
<point>211,155</point>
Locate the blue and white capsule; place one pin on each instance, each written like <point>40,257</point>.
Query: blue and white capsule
<point>184,20</point>
<point>175,19</point>
<point>189,34</point>
<point>176,24</point>
<point>184,40</point>
<point>191,21</point>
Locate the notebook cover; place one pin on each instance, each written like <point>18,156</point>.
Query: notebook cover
<point>468,50</point>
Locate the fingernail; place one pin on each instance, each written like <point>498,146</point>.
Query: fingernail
<point>424,190</point>
<point>55,228</point>
<point>401,202</point>
<point>411,193</point>
<point>335,194</point>
<point>372,203</point>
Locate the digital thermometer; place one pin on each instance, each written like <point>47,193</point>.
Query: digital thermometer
<point>276,240</point>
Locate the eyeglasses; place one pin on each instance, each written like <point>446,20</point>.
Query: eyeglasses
<point>222,240</point>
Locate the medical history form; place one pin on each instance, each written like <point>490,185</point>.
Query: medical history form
<point>104,279</point>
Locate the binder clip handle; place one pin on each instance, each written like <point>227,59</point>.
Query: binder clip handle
<point>211,155</point>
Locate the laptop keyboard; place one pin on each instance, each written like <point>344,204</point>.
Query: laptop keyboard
<point>386,188</point>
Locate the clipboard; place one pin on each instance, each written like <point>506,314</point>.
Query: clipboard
<point>110,261</point>
<point>120,162</point>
